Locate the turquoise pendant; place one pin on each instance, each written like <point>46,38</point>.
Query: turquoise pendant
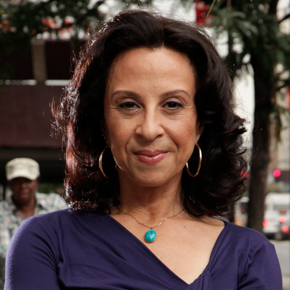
<point>150,236</point>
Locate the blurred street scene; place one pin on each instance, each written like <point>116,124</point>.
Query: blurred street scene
<point>40,40</point>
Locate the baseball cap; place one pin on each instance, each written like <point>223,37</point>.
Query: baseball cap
<point>22,167</point>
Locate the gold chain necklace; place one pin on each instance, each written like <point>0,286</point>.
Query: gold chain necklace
<point>150,236</point>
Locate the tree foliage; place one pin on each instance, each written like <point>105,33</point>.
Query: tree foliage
<point>255,27</point>
<point>22,20</point>
<point>27,19</point>
<point>255,39</point>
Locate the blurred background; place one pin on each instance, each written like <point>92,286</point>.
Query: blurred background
<point>40,40</point>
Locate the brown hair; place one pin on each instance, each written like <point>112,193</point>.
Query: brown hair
<point>220,181</point>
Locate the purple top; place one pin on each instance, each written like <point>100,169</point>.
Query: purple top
<point>81,250</point>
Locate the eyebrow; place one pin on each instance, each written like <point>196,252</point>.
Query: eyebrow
<point>128,93</point>
<point>167,94</point>
<point>175,92</point>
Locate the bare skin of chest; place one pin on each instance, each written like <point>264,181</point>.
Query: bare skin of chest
<point>183,245</point>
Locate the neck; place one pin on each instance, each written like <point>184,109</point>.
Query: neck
<point>150,204</point>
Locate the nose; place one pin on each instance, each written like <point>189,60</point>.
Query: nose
<point>151,126</point>
<point>23,183</point>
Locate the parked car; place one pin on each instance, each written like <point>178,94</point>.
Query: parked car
<point>277,212</point>
<point>284,229</point>
<point>271,224</point>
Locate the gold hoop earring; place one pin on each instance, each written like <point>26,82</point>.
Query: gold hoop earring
<point>101,165</point>
<point>199,163</point>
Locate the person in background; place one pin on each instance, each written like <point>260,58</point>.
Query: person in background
<point>22,175</point>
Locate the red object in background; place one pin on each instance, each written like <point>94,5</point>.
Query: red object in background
<point>54,24</point>
<point>282,219</point>
<point>285,229</point>
<point>245,174</point>
<point>201,10</point>
<point>288,99</point>
<point>265,223</point>
<point>276,173</point>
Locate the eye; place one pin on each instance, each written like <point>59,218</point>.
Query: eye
<point>128,105</point>
<point>173,105</point>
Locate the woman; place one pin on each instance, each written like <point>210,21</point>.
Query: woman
<point>153,152</point>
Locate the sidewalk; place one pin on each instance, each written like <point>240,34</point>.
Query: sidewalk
<point>286,283</point>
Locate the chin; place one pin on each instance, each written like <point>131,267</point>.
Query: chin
<point>152,180</point>
<point>24,198</point>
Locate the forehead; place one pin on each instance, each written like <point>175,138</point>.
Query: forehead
<point>148,57</point>
<point>148,63</point>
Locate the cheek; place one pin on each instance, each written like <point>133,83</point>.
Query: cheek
<point>119,129</point>
<point>33,187</point>
<point>118,142</point>
<point>185,132</point>
<point>118,133</point>
<point>186,142</point>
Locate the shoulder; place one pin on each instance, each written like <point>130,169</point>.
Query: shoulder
<point>34,250</point>
<point>47,228</point>
<point>239,242</point>
<point>60,221</point>
<point>4,205</point>
<point>49,221</point>
<point>4,209</point>
<point>244,240</point>
<point>255,256</point>
<point>55,227</point>
<point>245,257</point>
<point>247,233</point>
<point>52,201</point>
<point>43,230</point>
<point>244,234</point>
<point>48,196</point>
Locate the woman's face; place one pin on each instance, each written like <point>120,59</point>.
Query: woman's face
<point>150,116</point>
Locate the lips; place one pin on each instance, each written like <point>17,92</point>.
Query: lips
<point>151,157</point>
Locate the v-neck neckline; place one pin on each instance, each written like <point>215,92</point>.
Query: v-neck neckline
<point>205,270</point>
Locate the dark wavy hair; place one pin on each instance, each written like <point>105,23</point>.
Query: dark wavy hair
<point>220,182</point>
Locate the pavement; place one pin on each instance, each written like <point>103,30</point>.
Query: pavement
<point>286,283</point>
<point>283,252</point>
